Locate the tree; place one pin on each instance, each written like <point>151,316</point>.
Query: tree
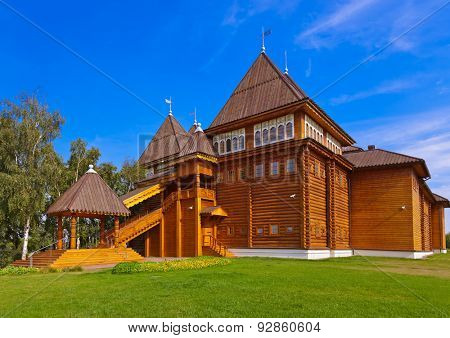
<point>130,173</point>
<point>81,157</point>
<point>27,132</point>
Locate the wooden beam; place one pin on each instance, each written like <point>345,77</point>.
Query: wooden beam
<point>116,231</point>
<point>60,233</point>
<point>161,231</point>
<point>147,244</point>
<point>197,219</point>
<point>178,220</point>
<point>250,217</point>
<point>306,231</point>
<point>102,231</point>
<point>73,232</point>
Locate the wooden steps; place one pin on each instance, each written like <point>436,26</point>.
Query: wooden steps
<point>135,227</point>
<point>213,247</point>
<point>208,251</point>
<point>42,259</point>
<point>98,256</point>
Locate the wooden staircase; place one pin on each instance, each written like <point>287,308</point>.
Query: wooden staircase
<point>42,259</point>
<point>134,227</point>
<point>213,247</point>
<point>98,256</point>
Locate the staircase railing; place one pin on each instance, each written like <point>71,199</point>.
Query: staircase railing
<point>30,255</point>
<point>216,245</point>
<point>109,235</point>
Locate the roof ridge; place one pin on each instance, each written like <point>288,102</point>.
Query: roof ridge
<point>395,153</point>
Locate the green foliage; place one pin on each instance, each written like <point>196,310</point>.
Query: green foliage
<point>173,265</point>
<point>17,270</point>
<point>447,240</point>
<point>33,176</point>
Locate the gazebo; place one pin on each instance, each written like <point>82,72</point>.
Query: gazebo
<point>89,197</point>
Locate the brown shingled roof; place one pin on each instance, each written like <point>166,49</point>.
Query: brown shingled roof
<point>198,143</point>
<point>350,149</point>
<point>381,158</point>
<point>89,195</point>
<point>168,141</point>
<point>440,199</point>
<point>264,87</point>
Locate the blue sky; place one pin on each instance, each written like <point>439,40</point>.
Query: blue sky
<point>197,52</point>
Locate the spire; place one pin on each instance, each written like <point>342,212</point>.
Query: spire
<point>285,63</point>
<point>263,35</point>
<point>91,170</point>
<point>199,128</point>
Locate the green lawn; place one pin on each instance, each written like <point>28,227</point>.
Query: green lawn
<point>248,287</point>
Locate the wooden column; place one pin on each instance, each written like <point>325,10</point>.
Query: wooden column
<point>59,246</point>
<point>116,231</point>
<point>331,204</point>
<point>73,232</point>
<point>147,244</point>
<point>306,231</point>
<point>162,251</point>
<point>102,231</point>
<point>197,220</point>
<point>250,217</point>
<point>178,220</point>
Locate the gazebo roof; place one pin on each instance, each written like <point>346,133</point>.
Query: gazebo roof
<point>89,196</point>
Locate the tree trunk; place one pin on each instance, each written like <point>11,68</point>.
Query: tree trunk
<point>26,235</point>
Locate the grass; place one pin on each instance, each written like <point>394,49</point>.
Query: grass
<point>248,287</point>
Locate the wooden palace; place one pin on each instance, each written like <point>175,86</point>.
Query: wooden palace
<point>273,175</point>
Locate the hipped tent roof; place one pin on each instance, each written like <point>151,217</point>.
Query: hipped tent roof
<point>90,195</point>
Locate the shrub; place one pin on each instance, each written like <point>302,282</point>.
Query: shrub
<point>174,265</point>
<point>447,240</point>
<point>17,270</point>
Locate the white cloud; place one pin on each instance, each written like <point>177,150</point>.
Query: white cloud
<point>388,87</point>
<point>372,24</point>
<point>239,11</point>
<point>309,69</point>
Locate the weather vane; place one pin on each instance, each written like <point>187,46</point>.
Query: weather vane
<point>169,102</point>
<point>264,34</point>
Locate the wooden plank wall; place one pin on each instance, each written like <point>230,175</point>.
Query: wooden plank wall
<point>187,228</point>
<point>233,198</point>
<point>342,217</point>
<point>378,221</point>
<point>438,227</point>
<point>170,219</point>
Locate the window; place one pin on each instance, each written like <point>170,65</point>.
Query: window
<point>274,229</point>
<point>222,147</point>
<point>274,168</point>
<point>333,144</point>
<point>228,145</point>
<point>313,130</point>
<point>260,231</point>
<point>289,130</point>
<point>241,142</point>
<point>242,174</point>
<point>235,144</point>
<point>280,132</point>
<point>230,175</point>
<point>230,231</point>
<point>290,166</point>
<point>289,230</point>
<point>219,178</point>
<point>265,136</point>
<point>243,230</point>
<point>216,147</point>
<point>259,170</point>
<point>258,138</point>
<point>316,168</point>
<point>273,134</point>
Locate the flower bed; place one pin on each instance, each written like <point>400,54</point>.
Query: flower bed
<point>184,264</point>
<point>17,270</point>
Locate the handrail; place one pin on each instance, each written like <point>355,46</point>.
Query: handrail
<point>30,255</point>
<point>214,243</point>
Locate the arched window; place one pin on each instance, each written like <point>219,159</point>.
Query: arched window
<point>235,144</point>
<point>216,147</point>
<point>273,134</point>
<point>222,147</point>
<point>280,132</point>
<point>265,136</point>
<point>289,131</point>
<point>257,138</point>
<point>228,145</point>
<point>241,142</point>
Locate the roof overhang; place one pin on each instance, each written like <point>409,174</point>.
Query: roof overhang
<point>215,211</point>
<point>142,195</point>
